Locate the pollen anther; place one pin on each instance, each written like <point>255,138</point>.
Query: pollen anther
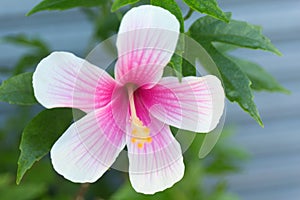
<point>140,132</point>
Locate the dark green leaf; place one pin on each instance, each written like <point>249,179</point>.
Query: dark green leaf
<point>209,7</point>
<point>236,82</point>
<point>121,3</point>
<point>208,30</point>
<point>18,90</point>
<point>64,5</point>
<point>261,80</point>
<point>188,69</point>
<point>38,137</point>
<point>173,7</point>
<point>235,32</point>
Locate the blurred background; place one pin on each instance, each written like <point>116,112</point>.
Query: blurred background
<point>248,163</point>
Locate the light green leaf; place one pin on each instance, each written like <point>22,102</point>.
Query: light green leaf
<point>224,48</point>
<point>38,50</point>
<point>27,61</point>
<point>18,90</point>
<point>39,136</point>
<point>26,192</point>
<point>235,32</point>
<point>25,41</point>
<point>121,3</point>
<point>64,5</point>
<point>173,7</point>
<point>261,80</point>
<point>209,7</point>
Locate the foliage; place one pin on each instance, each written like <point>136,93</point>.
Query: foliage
<point>64,5</point>
<point>120,3</point>
<point>207,30</point>
<point>18,90</point>
<point>38,138</point>
<point>209,7</point>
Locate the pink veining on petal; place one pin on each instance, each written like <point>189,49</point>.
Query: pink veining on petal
<point>64,80</point>
<point>90,146</point>
<point>159,164</point>
<point>145,45</point>
<point>195,104</point>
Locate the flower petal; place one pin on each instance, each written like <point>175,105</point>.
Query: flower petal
<point>146,41</point>
<point>158,165</point>
<point>195,104</point>
<point>91,145</point>
<point>64,80</point>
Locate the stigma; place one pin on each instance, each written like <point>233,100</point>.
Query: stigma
<point>140,134</point>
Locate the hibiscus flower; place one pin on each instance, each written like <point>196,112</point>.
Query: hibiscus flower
<point>135,109</point>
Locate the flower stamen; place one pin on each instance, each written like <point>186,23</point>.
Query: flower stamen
<point>139,132</point>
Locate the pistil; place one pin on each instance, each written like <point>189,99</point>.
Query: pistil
<point>140,134</point>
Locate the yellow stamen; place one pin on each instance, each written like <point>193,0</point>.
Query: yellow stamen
<point>140,133</point>
<point>133,140</point>
<point>140,145</point>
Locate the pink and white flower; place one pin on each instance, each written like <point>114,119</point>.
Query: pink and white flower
<point>135,109</point>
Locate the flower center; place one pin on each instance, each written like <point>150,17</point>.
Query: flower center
<point>140,134</point>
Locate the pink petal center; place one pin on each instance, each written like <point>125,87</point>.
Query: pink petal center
<point>140,133</point>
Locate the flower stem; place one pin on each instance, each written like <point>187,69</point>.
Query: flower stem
<point>81,192</point>
<point>189,14</point>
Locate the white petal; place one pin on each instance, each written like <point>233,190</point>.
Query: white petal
<point>90,146</point>
<point>146,41</point>
<point>64,80</point>
<point>157,165</point>
<point>195,104</point>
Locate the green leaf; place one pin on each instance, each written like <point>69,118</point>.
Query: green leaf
<point>38,50</point>
<point>261,80</point>
<point>64,5</point>
<point>236,82</point>
<point>207,31</point>
<point>25,192</point>
<point>121,3</point>
<point>23,40</point>
<point>224,48</point>
<point>235,32</point>
<point>188,69</point>
<point>209,7</point>
<point>38,138</point>
<point>27,61</point>
<point>18,90</point>
<point>173,7</point>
